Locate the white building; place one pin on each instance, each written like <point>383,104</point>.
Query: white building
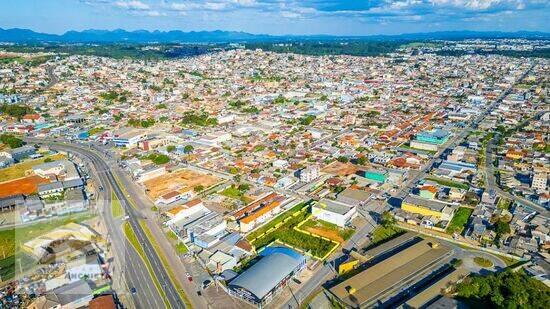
<point>309,173</point>
<point>334,212</point>
<point>150,172</point>
<point>186,210</point>
<point>129,137</point>
<point>540,179</point>
<point>214,140</point>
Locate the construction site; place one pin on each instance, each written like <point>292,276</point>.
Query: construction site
<point>180,181</point>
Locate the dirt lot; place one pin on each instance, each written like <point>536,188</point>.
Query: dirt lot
<point>178,180</point>
<point>330,234</point>
<point>25,186</point>
<point>340,169</point>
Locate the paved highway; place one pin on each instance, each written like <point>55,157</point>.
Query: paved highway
<point>135,271</point>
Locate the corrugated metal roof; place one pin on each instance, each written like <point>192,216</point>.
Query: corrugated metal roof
<point>267,273</point>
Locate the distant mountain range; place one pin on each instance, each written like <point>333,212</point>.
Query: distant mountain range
<point>143,36</point>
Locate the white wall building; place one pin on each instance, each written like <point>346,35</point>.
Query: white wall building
<point>334,212</point>
<point>309,173</point>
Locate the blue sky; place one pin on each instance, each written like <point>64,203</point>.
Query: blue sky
<point>344,17</point>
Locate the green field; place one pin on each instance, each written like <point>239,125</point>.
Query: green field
<point>448,183</point>
<point>20,262</point>
<point>382,234</point>
<point>459,221</point>
<point>232,192</point>
<point>271,224</point>
<point>287,234</point>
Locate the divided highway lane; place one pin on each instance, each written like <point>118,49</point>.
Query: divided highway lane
<point>146,296</point>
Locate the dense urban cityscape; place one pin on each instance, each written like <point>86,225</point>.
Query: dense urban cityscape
<point>270,173</point>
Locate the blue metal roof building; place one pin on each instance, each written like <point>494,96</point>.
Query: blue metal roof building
<point>457,166</point>
<point>259,284</point>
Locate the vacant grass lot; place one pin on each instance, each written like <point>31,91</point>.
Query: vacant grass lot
<point>287,234</point>
<point>20,169</point>
<point>21,262</point>
<point>448,183</point>
<point>459,221</point>
<point>253,235</point>
<point>382,234</point>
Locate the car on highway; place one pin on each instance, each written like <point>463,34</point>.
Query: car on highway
<point>189,277</point>
<point>206,284</point>
<point>133,290</point>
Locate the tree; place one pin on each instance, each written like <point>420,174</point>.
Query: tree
<point>236,178</point>
<point>342,159</point>
<point>244,187</point>
<point>198,188</point>
<point>387,219</point>
<point>170,148</point>
<point>307,120</point>
<point>502,227</point>
<point>507,289</point>
<point>188,149</point>
<point>361,160</point>
<point>159,159</point>
<point>11,141</point>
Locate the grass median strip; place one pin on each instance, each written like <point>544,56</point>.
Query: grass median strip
<point>165,264</point>
<point>116,206</point>
<point>132,238</point>
<point>157,250</point>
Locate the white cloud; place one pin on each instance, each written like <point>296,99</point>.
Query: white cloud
<point>132,5</point>
<point>216,6</point>
<point>154,13</point>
